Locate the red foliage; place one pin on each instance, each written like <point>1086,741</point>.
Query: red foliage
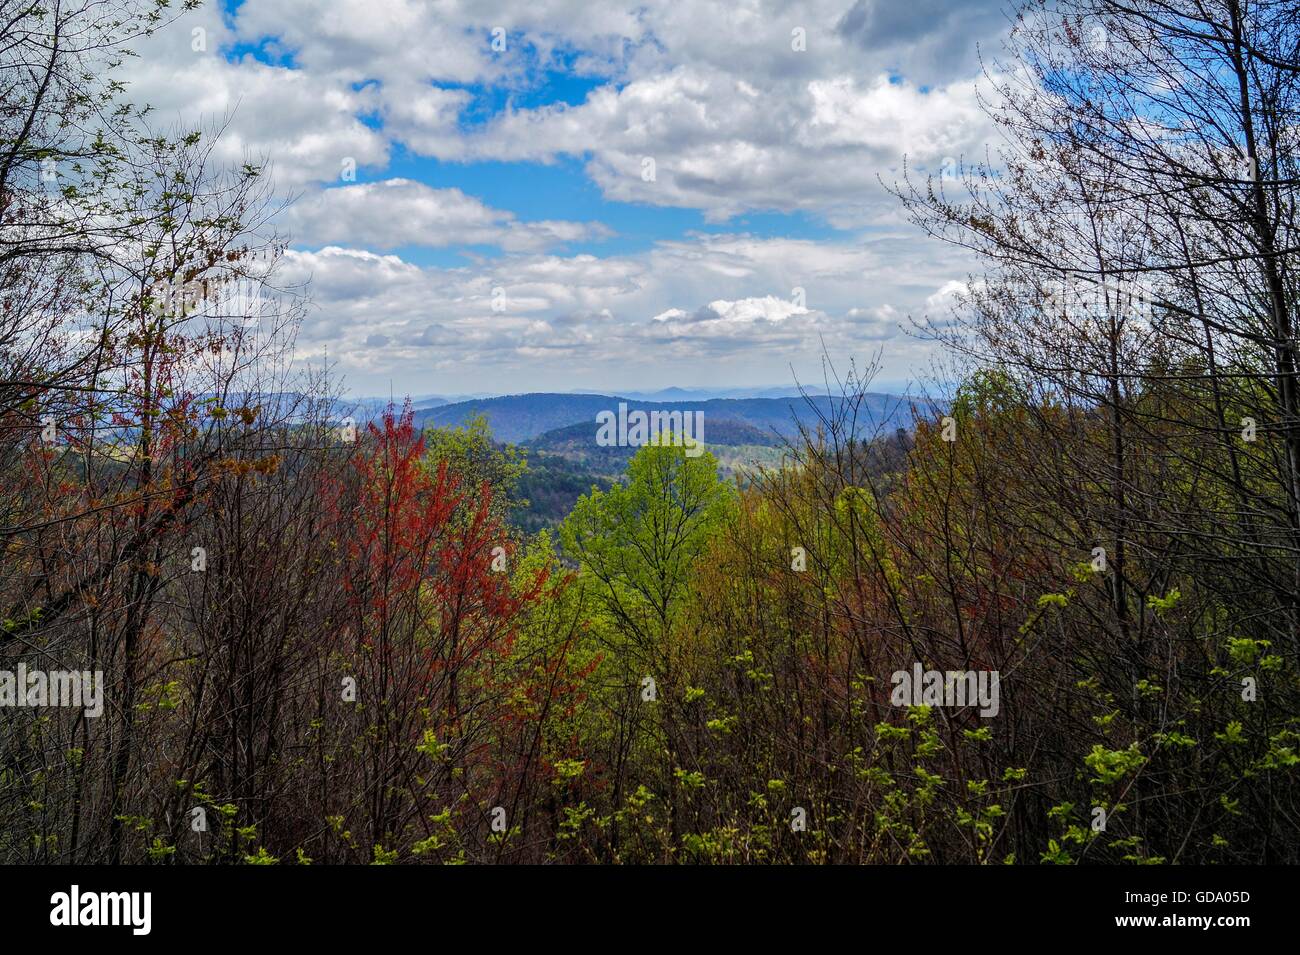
<point>399,516</point>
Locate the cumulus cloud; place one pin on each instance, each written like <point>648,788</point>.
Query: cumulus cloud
<point>745,311</point>
<point>307,125</point>
<point>402,212</point>
<point>735,116</point>
<point>683,310</point>
<point>950,295</point>
<point>923,35</point>
<point>719,144</point>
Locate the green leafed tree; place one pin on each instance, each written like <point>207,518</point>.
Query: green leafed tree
<point>638,546</point>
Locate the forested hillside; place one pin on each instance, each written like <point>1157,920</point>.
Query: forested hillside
<point>520,419</point>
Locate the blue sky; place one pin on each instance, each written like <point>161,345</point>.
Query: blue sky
<point>474,208</point>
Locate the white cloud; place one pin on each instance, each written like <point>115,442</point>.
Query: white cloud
<point>894,117</point>
<point>721,145</point>
<point>684,310</point>
<point>947,297</point>
<point>399,212</point>
<point>735,119</point>
<point>306,124</point>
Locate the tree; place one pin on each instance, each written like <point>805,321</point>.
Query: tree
<point>638,546</point>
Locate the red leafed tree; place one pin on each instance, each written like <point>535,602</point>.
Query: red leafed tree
<point>432,618</point>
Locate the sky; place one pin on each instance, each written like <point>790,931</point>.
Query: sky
<point>560,195</point>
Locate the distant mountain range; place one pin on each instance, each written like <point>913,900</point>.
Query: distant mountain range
<point>744,432</point>
<point>705,394</point>
<point>673,393</point>
<point>550,420</point>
